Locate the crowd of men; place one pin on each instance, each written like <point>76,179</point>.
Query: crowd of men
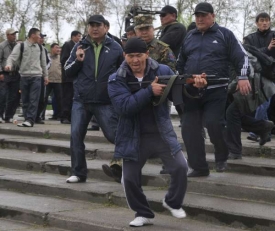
<point>98,77</point>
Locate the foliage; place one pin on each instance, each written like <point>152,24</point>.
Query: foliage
<point>239,16</point>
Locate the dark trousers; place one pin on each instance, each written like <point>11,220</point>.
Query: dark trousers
<point>3,98</point>
<point>9,95</point>
<point>81,116</point>
<point>30,92</point>
<point>56,88</point>
<point>12,93</point>
<point>132,171</point>
<point>67,100</point>
<point>207,111</point>
<point>40,109</point>
<point>236,121</point>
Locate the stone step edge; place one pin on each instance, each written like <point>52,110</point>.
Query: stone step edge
<point>48,220</point>
<point>248,150</point>
<point>195,212</point>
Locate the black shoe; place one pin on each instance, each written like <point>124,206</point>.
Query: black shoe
<point>163,171</point>
<point>113,172</point>
<point>93,128</point>
<point>8,121</point>
<point>196,173</point>
<point>253,138</point>
<point>233,156</point>
<point>65,121</point>
<point>221,166</point>
<point>265,136</point>
<point>54,118</point>
<point>39,121</point>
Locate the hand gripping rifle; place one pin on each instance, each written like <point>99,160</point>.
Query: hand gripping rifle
<point>176,85</point>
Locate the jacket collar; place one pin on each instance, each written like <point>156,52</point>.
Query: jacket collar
<point>213,28</point>
<point>263,33</point>
<point>87,40</point>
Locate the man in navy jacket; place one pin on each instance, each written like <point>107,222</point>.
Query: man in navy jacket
<point>209,49</point>
<point>141,126</point>
<point>91,62</point>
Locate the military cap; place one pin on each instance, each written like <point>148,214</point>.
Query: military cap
<point>143,21</point>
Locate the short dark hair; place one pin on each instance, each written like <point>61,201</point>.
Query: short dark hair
<point>130,28</point>
<point>54,44</point>
<point>191,26</point>
<point>262,15</point>
<point>106,23</point>
<point>75,33</point>
<point>33,31</point>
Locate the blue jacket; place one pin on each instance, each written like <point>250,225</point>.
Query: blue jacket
<point>212,53</point>
<point>128,105</point>
<point>87,87</point>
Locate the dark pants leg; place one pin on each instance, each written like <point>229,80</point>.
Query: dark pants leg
<point>107,120</point>
<point>54,106</point>
<point>30,92</point>
<point>81,117</point>
<point>214,121</point>
<point>177,167</point>
<point>40,108</point>
<point>12,98</point>
<point>2,98</point>
<point>49,89</point>
<point>57,90</point>
<point>67,99</point>
<point>236,121</point>
<point>209,111</point>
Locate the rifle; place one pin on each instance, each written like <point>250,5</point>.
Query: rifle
<point>134,11</point>
<point>176,85</point>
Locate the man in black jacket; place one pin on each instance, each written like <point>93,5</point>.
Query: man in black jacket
<point>263,37</point>
<point>264,40</point>
<point>90,64</point>
<point>209,49</point>
<point>172,32</point>
<point>67,83</point>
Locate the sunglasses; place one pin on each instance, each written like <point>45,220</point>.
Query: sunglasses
<point>162,15</point>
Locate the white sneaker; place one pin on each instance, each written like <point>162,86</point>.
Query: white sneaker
<point>178,213</point>
<point>140,221</point>
<point>25,124</point>
<point>1,120</point>
<point>75,179</point>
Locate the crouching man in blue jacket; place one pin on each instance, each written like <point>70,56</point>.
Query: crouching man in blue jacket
<point>145,130</point>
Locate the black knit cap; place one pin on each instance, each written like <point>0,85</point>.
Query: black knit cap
<point>135,45</point>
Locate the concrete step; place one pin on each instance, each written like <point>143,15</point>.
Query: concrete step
<point>55,130</point>
<point>13,225</point>
<point>228,184</point>
<point>104,151</point>
<point>75,215</point>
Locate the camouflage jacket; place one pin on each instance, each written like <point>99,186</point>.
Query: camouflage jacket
<point>161,52</point>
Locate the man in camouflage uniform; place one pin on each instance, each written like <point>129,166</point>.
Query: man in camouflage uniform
<point>158,51</point>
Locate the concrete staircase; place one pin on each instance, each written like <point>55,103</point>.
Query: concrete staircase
<point>35,162</point>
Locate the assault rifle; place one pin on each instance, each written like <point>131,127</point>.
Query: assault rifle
<point>176,85</point>
<point>134,11</point>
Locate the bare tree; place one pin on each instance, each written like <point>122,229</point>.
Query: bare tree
<point>83,9</point>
